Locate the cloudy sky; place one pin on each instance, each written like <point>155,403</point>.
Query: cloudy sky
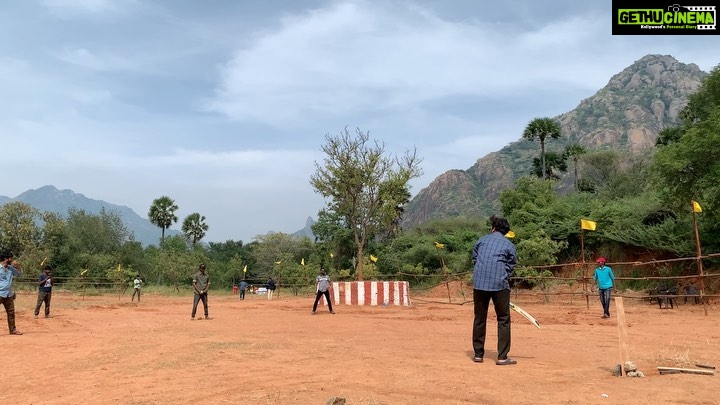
<point>224,105</point>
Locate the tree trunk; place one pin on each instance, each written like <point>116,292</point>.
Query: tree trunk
<point>162,238</point>
<point>542,157</point>
<point>577,185</point>
<point>360,263</point>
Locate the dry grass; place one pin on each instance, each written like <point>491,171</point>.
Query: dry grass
<point>675,355</point>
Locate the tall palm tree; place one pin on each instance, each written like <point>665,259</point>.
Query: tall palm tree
<point>542,128</point>
<point>194,227</point>
<point>162,214</point>
<point>575,151</point>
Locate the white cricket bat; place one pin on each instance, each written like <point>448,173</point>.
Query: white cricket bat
<point>525,314</point>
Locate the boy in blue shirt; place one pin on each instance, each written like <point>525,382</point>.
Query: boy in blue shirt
<point>604,278</point>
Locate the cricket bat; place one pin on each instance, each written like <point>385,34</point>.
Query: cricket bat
<point>525,314</point>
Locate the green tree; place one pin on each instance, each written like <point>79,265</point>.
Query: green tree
<point>542,129</point>
<point>279,255</point>
<point>575,151</point>
<point>555,163</point>
<point>162,214</point>
<point>366,188</point>
<point>194,227</point>
<point>335,239</point>
<point>705,101</point>
<point>19,231</point>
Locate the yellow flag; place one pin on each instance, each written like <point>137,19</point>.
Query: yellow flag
<point>302,261</point>
<point>588,224</point>
<point>82,273</point>
<point>245,269</point>
<point>332,255</point>
<point>42,263</point>
<point>439,245</point>
<point>278,262</point>
<point>696,206</point>
<point>373,258</point>
<point>510,234</point>
<point>119,267</point>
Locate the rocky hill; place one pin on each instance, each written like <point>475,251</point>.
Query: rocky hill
<point>626,114</point>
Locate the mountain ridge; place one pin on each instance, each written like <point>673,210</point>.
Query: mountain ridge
<point>627,113</point>
<point>49,198</point>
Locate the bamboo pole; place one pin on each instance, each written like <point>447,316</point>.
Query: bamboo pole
<point>699,260</point>
<point>584,267</point>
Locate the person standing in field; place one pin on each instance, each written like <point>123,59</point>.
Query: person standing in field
<point>243,286</point>
<point>137,284</point>
<point>9,269</point>
<point>201,284</point>
<point>45,284</point>
<point>604,279</point>
<point>270,288</point>
<point>322,287</point>
<point>494,259</point>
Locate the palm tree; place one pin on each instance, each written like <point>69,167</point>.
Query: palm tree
<point>555,163</point>
<point>162,214</point>
<point>194,227</point>
<point>542,128</point>
<point>575,151</point>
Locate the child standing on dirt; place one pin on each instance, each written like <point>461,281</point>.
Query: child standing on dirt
<point>604,278</point>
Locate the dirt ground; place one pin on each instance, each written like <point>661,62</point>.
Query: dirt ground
<point>107,350</point>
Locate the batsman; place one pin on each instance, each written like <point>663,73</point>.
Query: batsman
<point>494,258</point>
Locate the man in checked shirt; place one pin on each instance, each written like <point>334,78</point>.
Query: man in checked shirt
<point>494,259</point>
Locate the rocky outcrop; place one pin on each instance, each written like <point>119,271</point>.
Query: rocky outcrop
<point>627,113</point>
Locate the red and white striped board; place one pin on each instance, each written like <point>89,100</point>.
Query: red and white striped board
<point>371,293</point>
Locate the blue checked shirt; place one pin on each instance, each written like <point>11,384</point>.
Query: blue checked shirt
<point>494,259</point>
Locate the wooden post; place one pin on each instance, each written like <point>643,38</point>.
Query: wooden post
<point>584,269</point>
<point>699,261</point>
<point>622,333</point>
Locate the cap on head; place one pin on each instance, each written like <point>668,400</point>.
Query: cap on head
<point>47,267</point>
<point>202,265</point>
<point>601,260</point>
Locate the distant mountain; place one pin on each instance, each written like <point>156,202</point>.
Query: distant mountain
<point>626,114</point>
<point>49,198</point>
<point>307,231</point>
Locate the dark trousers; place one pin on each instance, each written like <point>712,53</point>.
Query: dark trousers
<point>317,299</point>
<point>501,302</point>
<point>137,291</point>
<point>9,304</point>
<point>242,294</point>
<point>197,299</point>
<point>43,296</point>
<point>605,300</point>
